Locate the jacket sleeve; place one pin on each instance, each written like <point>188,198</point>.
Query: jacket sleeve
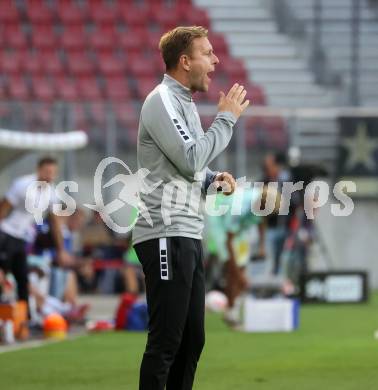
<point>209,178</point>
<point>167,127</point>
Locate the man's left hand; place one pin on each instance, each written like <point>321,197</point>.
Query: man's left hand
<point>226,181</point>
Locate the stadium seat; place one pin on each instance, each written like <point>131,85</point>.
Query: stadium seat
<point>116,89</point>
<point>101,13</point>
<point>51,63</point>
<point>42,89</point>
<point>14,37</point>
<point>141,67</point>
<point>79,64</point>
<point>130,42</point>
<point>39,13</point>
<point>98,113</point>
<point>70,13</point>
<point>43,37</point>
<point>10,63</point>
<point>9,13</point>
<point>234,68</point>
<point>97,50</point>
<point>79,116</point>
<point>126,115</point>
<point>152,39</point>
<point>219,44</point>
<point>134,17</point>
<point>145,85</point>
<point>89,89</point>
<point>31,63</point>
<point>99,41</point>
<point>18,89</point>
<point>66,89</point>
<point>73,38</point>
<point>255,94</point>
<point>111,65</point>
<point>36,116</point>
<point>165,17</point>
<point>195,16</point>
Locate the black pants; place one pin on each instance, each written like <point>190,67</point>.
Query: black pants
<point>13,259</point>
<point>175,287</point>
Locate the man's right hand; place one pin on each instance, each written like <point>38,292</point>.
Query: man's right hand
<point>234,100</point>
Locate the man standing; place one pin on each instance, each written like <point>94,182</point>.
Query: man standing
<point>176,151</point>
<point>17,223</point>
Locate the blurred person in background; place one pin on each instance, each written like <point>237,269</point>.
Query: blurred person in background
<point>61,292</point>
<point>237,240</point>
<point>99,246</point>
<point>17,223</point>
<point>275,170</point>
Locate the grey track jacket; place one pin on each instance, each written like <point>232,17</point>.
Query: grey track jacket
<point>176,151</point>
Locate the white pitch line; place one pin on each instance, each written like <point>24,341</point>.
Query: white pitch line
<point>35,344</point>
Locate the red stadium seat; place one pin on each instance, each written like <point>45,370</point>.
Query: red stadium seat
<point>141,67</point>
<point>43,37</point>
<point>39,13</point>
<point>66,89</point>
<point>73,38</point>
<point>219,44</point>
<point>51,63</point>
<point>111,65</point>
<point>255,94</point>
<point>89,89</point>
<point>102,13</point>
<point>233,68</point>
<point>159,65</point>
<point>117,89</point>
<point>145,85</point>
<point>10,63</point>
<point>195,16</point>
<point>165,17</point>
<point>152,39</point>
<point>70,13</point>
<point>9,13</point>
<point>79,64</point>
<point>101,42</point>
<point>134,16</point>
<point>79,116</point>
<point>18,88</point>
<point>31,63</point>
<point>42,89</point>
<point>98,112</point>
<point>130,42</point>
<point>14,37</point>
<point>126,115</point>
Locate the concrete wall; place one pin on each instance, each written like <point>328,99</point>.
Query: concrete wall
<point>352,241</point>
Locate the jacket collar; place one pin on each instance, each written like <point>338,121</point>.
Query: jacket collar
<point>178,88</point>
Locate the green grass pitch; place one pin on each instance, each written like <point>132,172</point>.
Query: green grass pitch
<point>333,349</point>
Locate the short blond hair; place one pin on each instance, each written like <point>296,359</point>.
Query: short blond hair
<point>178,41</point>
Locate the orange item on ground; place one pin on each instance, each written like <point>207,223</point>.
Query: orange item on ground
<point>18,313</point>
<point>55,326</point>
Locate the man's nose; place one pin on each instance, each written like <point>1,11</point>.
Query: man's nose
<point>216,60</point>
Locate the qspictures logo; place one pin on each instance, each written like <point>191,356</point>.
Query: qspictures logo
<point>184,197</point>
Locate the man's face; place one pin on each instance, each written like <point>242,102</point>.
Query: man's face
<point>47,172</point>
<point>202,61</point>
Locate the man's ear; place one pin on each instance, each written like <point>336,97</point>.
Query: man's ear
<point>185,62</point>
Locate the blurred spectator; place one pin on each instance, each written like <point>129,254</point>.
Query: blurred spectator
<point>61,292</point>
<point>101,247</point>
<point>232,234</point>
<point>17,223</point>
<point>275,170</point>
